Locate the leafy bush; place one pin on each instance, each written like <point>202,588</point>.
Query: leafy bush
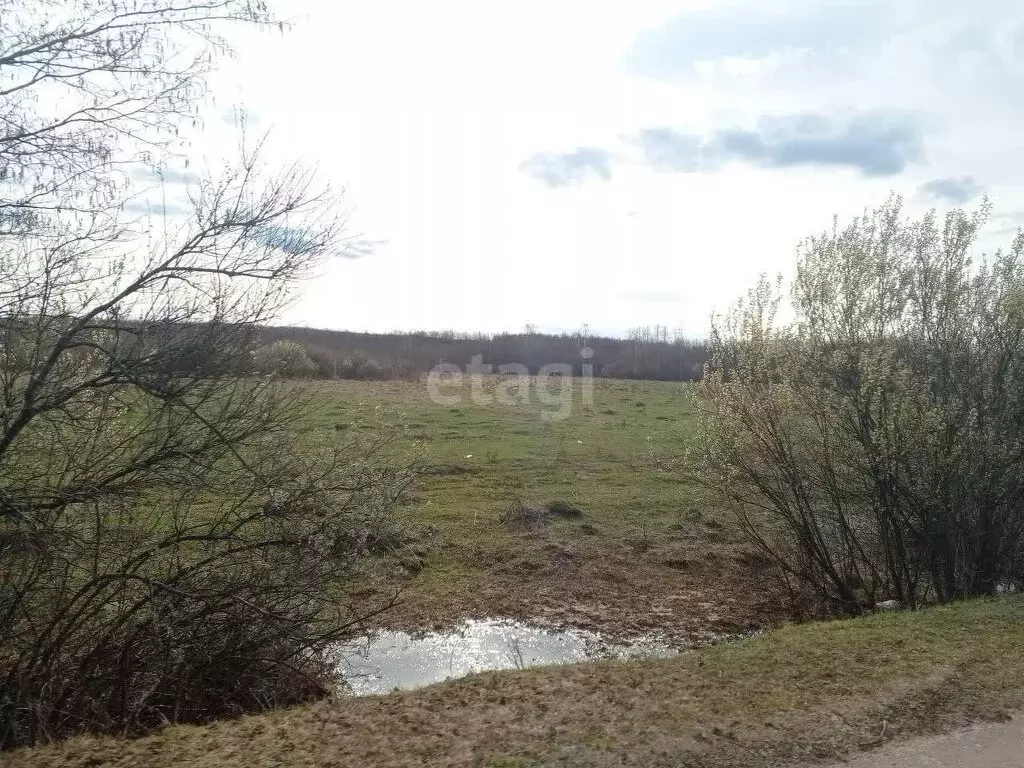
<point>871,445</point>
<point>284,358</point>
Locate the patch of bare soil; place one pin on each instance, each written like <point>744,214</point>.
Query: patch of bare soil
<point>619,597</point>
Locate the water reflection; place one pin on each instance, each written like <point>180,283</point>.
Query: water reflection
<point>390,660</point>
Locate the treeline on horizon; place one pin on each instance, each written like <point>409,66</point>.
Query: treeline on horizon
<point>647,353</point>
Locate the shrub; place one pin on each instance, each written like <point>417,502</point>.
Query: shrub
<point>871,445</point>
<point>125,615</point>
<point>284,358</point>
<point>360,365</point>
<point>169,549</point>
<point>325,361</point>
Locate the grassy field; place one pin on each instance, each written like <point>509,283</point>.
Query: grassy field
<point>809,691</point>
<point>646,554</point>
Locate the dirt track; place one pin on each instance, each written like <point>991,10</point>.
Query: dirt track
<point>993,745</point>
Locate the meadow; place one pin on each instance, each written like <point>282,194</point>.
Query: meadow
<point>630,547</point>
<point>622,543</point>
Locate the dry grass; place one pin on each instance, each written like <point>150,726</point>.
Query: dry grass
<point>809,691</point>
<point>520,516</point>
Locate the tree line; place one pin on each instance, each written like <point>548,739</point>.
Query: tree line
<point>646,353</point>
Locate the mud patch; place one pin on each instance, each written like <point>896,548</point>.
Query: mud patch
<point>623,598</point>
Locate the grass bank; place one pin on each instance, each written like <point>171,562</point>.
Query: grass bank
<point>799,693</point>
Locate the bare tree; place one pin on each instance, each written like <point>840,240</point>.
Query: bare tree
<point>170,548</point>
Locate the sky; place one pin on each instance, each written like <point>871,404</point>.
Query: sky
<point>616,164</point>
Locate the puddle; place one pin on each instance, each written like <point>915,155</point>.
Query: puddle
<point>390,660</point>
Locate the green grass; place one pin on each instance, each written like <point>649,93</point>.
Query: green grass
<point>807,691</point>
<point>599,456</point>
<point>607,458</point>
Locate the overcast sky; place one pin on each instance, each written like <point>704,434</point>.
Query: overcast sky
<point>612,163</point>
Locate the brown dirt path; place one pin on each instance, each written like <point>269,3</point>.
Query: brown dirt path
<point>991,745</point>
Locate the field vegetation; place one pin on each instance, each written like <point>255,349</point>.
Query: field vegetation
<point>631,546</point>
<point>196,507</point>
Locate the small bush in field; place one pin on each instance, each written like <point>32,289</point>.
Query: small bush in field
<point>284,358</point>
<point>360,365</point>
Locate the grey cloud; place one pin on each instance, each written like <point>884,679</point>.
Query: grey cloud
<point>1013,217</point>
<point>179,177</point>
<point>294,240</point>
<point>1017,40</point>
<point>983,58</point>
<point>876,143</point>
<point>971,38</point>
<point>954,189</point>
<point>668,150</point>
<point>562,169</point>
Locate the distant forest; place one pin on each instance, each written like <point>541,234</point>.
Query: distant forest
<point>647,353</point>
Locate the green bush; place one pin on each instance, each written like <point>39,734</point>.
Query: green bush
<point>285,358</point>
<point>871,442</point>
